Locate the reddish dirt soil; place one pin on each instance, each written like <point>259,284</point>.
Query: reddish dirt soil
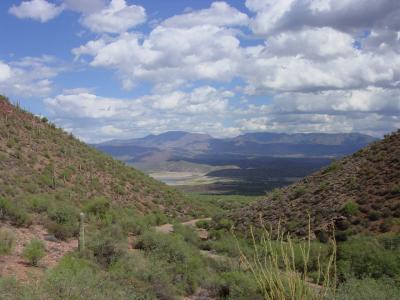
<point>16,265</point>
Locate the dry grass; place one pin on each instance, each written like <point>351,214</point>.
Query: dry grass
<point>278,273</point>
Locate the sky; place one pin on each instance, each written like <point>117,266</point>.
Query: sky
<point>106,69</point>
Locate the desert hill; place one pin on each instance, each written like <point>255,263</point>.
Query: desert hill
<point>36,158</point>
<point>359,193</point>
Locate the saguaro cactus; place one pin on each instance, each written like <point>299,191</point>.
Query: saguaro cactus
<point>81,241</point>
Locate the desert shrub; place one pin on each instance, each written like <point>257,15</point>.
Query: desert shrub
<point>395,189</point>
<point>184,260</point>
<point>62,231</point>
<point>108,244</point>
<point>20,217</point>
<point>341,235</point>
<point>147,274</point>
<point>5,207</point>
<point>234,285</point>
<point>39,203</point>
<point>223,223</point>
<point>132,222</point>
<point>63,220</point>
<point>323,185</point>
<point>365,256</point>
<point>34,252</point>
<point>323,236</point>
<point>15,212</point>
<point>228,244</point>
<point>7,240</point>
<point>156,218</point>
<point>276,194</point>
<point>368,289</point>
<point>334,166</point>
<point>63,213</point>
<point>187,233</point>
<point>299,191</point>
<point>76,278</point>
<point>374,215</point>
<point>385,226</point>
<point>203,224</point>
<point>391,241</point>
<point>350,208</point>
<point>98,206</point>
<point>11,288</point>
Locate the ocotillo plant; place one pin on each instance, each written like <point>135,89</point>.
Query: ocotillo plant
<point>81,241</point>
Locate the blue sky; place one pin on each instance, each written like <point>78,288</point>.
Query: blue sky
<point>107,69</point>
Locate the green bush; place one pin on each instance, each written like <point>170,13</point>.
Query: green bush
<point>226,244</point>
<point>391,241</point>
<point>368,289</point>
<point>224,223</point>
<point>15,212</point>
<point>98,206</point>
<point>334,166</point>
<point>374,215</point>
<point>350,208</point>
<point>365,256</point>
<point>39,203</point>
<point>203,224</point>
<point>79,279</point>
<point>148,274</point>
<point>63,213</point>
<point>299,191</point>
<point>276,194</point>
<point>188,234</point>
<point>11,288</point>
<point>234,285</point>
<point>34,252</point>
<point>183,260</point>
<point>108,244</point>
<point>62,231</point>
<point>7,240</point>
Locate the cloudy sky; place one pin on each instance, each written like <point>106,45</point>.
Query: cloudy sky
<point>119,69</point>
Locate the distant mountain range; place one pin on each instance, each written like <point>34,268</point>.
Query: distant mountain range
<point>178,144</point>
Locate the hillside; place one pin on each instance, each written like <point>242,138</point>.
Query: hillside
<point>36,158</point>
<point>360,193</point>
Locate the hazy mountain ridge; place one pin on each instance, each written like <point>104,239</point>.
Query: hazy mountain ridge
<point>181,143</point>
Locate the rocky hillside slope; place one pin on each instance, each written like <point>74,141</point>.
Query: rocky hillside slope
<point>36,158</point>
<point>359,193</point>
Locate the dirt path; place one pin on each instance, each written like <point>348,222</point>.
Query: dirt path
<point>168,228</point>
<point>16,265</point>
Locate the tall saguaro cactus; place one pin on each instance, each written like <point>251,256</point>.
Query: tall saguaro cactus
<point>81,241</point>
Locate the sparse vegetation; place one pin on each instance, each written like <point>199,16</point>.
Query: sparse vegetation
<point>281,266</point>
<point>350,208</point>
<point>7,240</point>
<point>34,252</point>
<point>358,193</point>
<point>51,165</point>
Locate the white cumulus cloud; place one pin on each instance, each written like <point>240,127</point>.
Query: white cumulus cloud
<point>40,10</point>
<point>218,14</point>
<point>5,71</point>
<point>117,17</point>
